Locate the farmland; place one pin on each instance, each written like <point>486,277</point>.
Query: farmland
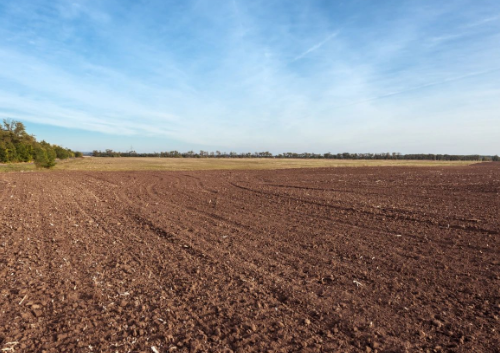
<point>185,164</point>
<point>366,259</point>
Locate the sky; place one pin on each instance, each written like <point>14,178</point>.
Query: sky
<point>409,76</point>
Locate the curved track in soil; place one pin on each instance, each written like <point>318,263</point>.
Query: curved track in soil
<point>311,260</point>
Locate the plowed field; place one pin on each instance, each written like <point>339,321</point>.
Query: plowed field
<point>313,260</point>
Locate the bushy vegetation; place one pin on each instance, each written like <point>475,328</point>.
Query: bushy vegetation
<point>16,145</point>
<point>345,155</point>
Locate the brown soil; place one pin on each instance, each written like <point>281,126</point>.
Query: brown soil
<point>312,260</point>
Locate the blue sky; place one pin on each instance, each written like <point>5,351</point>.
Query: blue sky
<point>302,75</point>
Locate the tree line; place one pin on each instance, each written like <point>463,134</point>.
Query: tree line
<point>305,155</point>
<point>16,145</point>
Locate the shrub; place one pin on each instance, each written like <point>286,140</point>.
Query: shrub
<point>45,158</point>
<point>23,152</point>
<point>61,153</point>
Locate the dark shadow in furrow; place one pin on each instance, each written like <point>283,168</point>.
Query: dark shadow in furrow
<point>352,209</point>
<point>354,270</point>
<point>394,209</point>
<point>207,258</point>
<point>287,291</point>
<point>247,228</point>
<point>402,253</point>
<point>164,234</point>
<point>383,231</point>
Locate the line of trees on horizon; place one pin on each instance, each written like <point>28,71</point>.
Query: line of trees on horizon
<point>305,155</point>
<point>17,146</point>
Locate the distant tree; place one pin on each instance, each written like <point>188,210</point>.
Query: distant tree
<point>16,145</point>
<point>3,153</point>
<point>24,152</point>
<point>495,158</point>
<point>61,153</point>
<point>11,152</point>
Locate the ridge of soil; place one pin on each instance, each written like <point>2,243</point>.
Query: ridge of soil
<point>388,259</point>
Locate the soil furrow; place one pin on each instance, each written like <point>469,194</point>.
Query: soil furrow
<point>317,260</point>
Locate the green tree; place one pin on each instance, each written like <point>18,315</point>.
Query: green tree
<point>51,154</point>
<point>41,158</point>
<point>23,151</point>
<point>45,155</point>
<point>3,152</point>
<point>61,153</point>
<point>44,158</point>
<point>11,152</point>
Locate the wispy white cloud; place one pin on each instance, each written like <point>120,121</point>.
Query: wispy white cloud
<point>230,76</point>
<point>426,85</point>
<point>483,21</point>
<point>315,46</point>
